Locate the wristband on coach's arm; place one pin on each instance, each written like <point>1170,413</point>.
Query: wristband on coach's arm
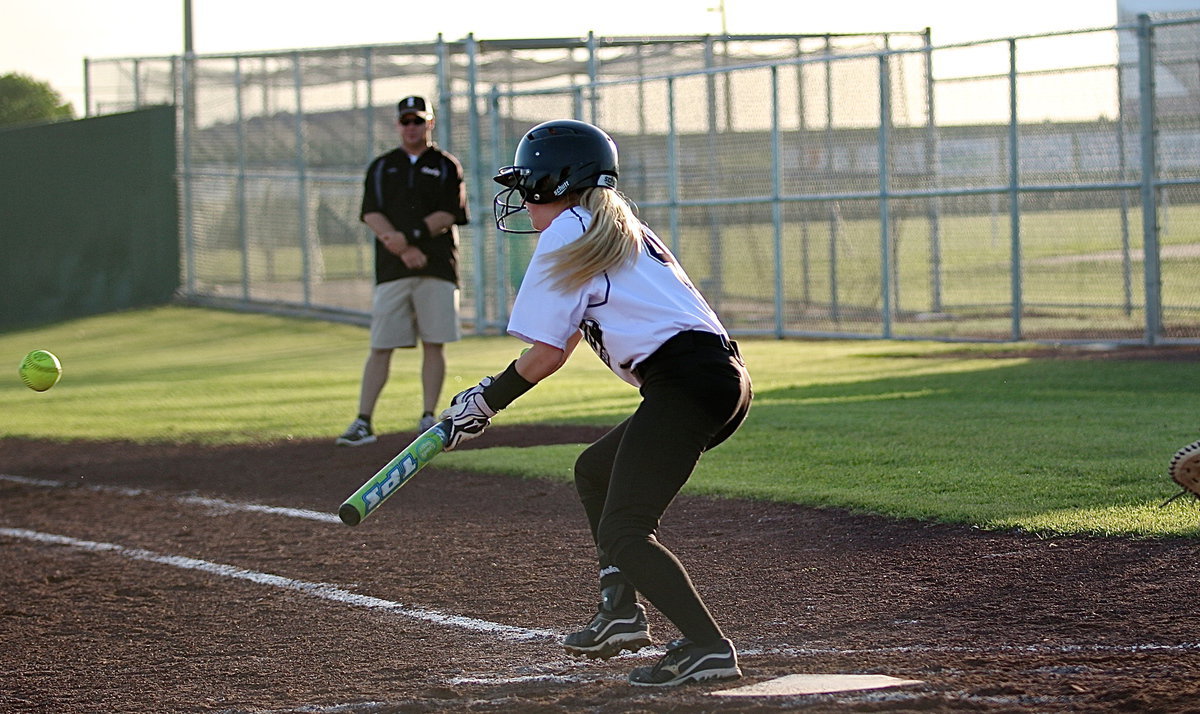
<point>417,231</point>
<point>506,387</point>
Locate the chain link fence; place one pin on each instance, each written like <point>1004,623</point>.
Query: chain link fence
<point>812,185</point>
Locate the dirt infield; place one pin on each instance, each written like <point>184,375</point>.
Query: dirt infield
<point>150,579</point>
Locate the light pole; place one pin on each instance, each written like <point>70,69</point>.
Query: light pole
<point>187,27</point>
<point>720,8</point>
<point>189,67</point>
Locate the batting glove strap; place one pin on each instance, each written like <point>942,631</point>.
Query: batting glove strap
<point>477,389</point>
<point>468,419</point>
<point>506,387</point>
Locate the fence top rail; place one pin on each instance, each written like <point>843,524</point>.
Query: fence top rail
<point>537,43</point>
<point>593,42</point>
<point>432,47</point>
<point>843,57</point>
<point>1169,22</point>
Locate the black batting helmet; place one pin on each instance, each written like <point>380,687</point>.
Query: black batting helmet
<point>553,159</point>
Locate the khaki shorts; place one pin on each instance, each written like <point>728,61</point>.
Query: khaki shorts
<point>410,308</point>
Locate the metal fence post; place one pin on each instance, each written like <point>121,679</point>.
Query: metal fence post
<point>369,78</point>
<point>137,84</point>
<point>1014,193</point>
<point>932,170</point>
<point>1146,92</point>
<point>593,68</point>
<point>87,87</point>
<point>834,206</point>
<point>885,218</point>
<point>187,69</point>
<point>476,191</point>
<point>306,276</point>
<point>1123,175</point>
<point>502,267</point>
<point>369,119</point>
<point>243,232</point>
<point>672,167</point>
<point>445,117</point>
<point>805,245</point>
<point>776,203</point>
<point>713,285</point>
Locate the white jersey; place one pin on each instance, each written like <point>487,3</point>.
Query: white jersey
<point>625,314</point>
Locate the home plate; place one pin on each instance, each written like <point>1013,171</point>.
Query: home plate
<point>794,684</point>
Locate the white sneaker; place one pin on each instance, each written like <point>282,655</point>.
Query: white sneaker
<point>426,423</point>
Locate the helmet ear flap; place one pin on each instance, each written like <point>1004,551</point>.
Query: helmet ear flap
<point>574,177</point>
<point>554,185</point>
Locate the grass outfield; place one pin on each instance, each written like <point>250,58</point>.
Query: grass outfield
<point>912,430</point>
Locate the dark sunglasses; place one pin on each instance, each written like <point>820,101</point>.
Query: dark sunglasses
<point>409,121</point>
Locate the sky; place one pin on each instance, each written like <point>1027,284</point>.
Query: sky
<point>49,40</point>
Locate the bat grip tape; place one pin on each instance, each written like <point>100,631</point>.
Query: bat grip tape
<point>506,387</point>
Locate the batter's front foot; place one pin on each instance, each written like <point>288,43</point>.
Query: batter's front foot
<point>609,633</point>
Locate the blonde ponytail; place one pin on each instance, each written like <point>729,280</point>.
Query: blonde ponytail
<point>612,240</point>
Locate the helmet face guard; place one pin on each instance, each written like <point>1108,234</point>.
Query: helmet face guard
<point>508,206</point>
<point>553,160</point>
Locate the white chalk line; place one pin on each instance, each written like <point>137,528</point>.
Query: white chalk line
<point>799,653</point>
<point>216,504</point>
<point>324,591</point>
<point>924,649</point>
<point>853,697</point>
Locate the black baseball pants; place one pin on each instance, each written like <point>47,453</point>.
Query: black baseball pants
<point>695,393</point>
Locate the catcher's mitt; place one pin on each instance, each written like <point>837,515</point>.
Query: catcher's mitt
<point>1185,468</point>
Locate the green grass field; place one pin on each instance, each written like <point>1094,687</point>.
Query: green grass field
<point>908,430</point>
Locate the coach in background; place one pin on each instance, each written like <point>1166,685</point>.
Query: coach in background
<point>414,198</point>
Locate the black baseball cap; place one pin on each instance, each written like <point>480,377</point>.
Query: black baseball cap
<point>413,105</point>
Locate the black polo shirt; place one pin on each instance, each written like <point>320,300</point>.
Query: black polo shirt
<point>406,192</point>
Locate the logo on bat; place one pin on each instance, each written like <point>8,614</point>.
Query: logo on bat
<point>429,447</point>
<point>395,479</point>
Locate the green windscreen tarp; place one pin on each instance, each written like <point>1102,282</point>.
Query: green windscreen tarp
<point>88,217</point>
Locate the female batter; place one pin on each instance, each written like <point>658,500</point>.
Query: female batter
<point>601,275</point>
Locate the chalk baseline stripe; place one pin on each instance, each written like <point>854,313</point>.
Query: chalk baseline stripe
<point>325,591</point>
<point>215,504</point>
